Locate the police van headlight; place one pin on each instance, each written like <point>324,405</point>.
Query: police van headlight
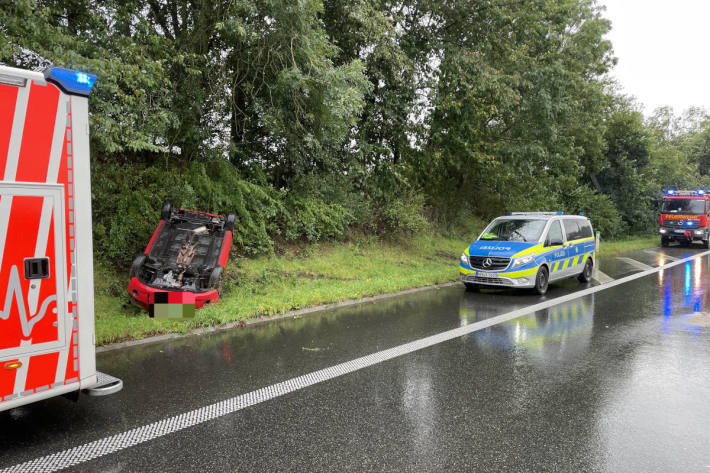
<point>464,258</point>
<point>523,260</point>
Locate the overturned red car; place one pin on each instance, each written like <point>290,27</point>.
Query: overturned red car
<point>187,254</point>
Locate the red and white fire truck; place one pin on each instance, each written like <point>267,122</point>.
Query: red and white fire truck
<point>684,217</point>
<point>47,344</point>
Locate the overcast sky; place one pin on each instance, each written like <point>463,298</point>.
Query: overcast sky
<point>663,49</point>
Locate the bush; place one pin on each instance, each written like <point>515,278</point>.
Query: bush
<point>398,216</point>
<point>313,219</point>
<point>600,209</point>
<point>127,200</point>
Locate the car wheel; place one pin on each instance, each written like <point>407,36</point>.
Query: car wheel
<point>664,241</point>
<point>471,287</point>
<point>706,244</point>
<point>167,211</point>
<point>136,266</point>
<point>229,223</point>
<point>542,280</point>
<point>586,274</point>
<point>217,279</point>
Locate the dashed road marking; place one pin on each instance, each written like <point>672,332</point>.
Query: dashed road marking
<point>634,263</point>
<point>663,255</point>
<point>121,441</point>
<point>600,277</point>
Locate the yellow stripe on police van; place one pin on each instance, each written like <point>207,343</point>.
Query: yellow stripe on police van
<point>565,263</point>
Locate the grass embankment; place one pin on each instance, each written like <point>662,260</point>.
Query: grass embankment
<point>616,247</point>
<point>301,277</point>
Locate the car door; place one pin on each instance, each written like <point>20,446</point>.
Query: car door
<point>575,252</point>
<point>556,251</point>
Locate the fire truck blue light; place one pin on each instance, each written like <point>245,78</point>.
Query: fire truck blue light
<point>73,81</point>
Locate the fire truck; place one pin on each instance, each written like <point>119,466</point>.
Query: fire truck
<point>684,217</point>
<point>47,342</point>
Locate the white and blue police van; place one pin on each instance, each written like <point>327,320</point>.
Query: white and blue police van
<point>529,250</point>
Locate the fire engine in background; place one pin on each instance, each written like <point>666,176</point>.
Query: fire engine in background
<point>47,344</point>
<point>684,217</point>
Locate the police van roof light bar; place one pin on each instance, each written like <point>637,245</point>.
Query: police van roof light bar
<point>536,213</point>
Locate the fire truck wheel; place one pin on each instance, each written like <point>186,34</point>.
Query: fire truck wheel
<point>217,279</point>
<point>229,223</point>
<point>167,211</point>
<point>136,266</point>
<point>664,241</point>
<point>586,274</point>
<point>542,280</point>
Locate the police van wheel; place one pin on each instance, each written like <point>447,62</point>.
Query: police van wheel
<point>664,241</point>
<point>471,287</point>
<point>542,280</point>
<point>586,274</point>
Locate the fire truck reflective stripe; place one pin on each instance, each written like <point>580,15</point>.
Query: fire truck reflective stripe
<point>18,126</point>
<point>41,370</point>
<point>121,441</point>
<point>13,154</point>
<point>8,96</point>
<point>36,144</point>
<point>14,292</point>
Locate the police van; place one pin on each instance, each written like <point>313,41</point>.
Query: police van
<point>529,250</point>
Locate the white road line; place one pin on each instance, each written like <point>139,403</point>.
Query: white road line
<point>600,277</point>
<point>663,255</point>
<point>114,443</point>
<point>634,263</point>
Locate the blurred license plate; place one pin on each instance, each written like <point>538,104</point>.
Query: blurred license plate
<point>481,274</point>
<point>680,231</point>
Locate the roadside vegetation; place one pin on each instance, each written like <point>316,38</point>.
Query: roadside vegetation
<point>320,119</point>
<point>301,276</point>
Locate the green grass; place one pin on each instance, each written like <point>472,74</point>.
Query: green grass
<point>303,276</point>
<point>616,247</point>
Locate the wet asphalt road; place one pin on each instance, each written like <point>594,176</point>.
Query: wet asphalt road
<point>613,381</point>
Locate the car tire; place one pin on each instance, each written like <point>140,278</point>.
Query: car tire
<point>217,279</point>
<point>542,280</point>
<point>586,275</point>
<point>229,223</point>
<point>167,211</point>
<point>136,266</point>
<point>664,241</point>
<point>706,244</point>
<point>471,287</point>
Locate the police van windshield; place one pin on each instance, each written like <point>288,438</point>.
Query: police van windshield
<point>514,230</point>
<point>684,206</point>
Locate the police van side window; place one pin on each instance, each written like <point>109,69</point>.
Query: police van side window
<point>554,234</point>
<point>585,229</point>
<point>571,229</point>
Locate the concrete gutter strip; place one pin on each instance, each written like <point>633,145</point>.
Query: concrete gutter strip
<point>266,319</point>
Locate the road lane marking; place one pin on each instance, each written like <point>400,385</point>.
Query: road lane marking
<point>121,441</point>
<point>634,263</point>
<point>601,277</point>
<point>661,254</point>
